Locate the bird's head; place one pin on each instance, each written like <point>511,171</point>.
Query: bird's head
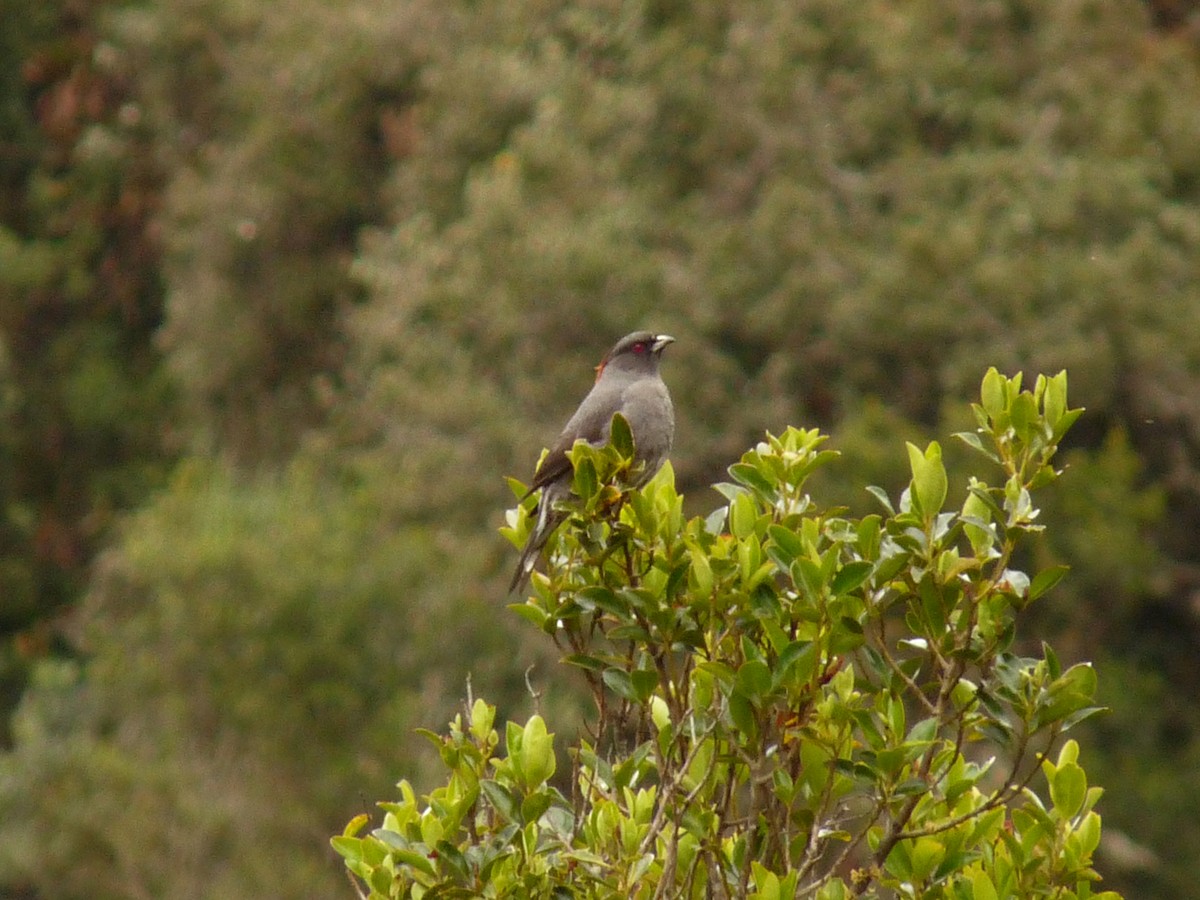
<point>636,352</point>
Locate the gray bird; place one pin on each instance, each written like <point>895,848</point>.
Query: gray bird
<point>627,382</point>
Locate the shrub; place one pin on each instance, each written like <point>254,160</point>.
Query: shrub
<point>789,701</point>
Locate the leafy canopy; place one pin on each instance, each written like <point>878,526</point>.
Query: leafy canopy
<point>789,702</point>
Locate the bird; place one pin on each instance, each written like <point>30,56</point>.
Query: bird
<point>627,382</point>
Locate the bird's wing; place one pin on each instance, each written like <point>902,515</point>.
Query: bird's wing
<point>590,423</point>
<point>555,465</point>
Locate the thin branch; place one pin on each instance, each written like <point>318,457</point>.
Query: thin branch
<point>905,677</point>
<point>997,799</point>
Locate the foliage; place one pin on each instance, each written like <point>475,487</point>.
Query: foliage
<point>838,208</point>
<point>789,702</point>
<point>390,239</point>
<point>278,128</point>
<point>180,759</point>
<point>83,404</point>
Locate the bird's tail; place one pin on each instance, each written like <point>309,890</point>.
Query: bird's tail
<point>549,518</point>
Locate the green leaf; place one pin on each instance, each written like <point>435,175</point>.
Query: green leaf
<point>753,680</point>
<point>932,602</point>
<point>987,826</point>
<point>741,711</point>
<point>1068,789</point>
<point>629,633</point>
<point>1053,666</point>
<point>644,682</point>
<point>797,661</point>
<point>751,477</point>
<point>1070,721</point>
<point>992,393</point>
<point>1024,416</point>
<point>766,882</point>
<point>584,661</point>
<point>1068,753</point>
<point>789,543</point>
<point>807,574</point>
<point>1064,424</point>
<point>535,804</point>
<point>620,437</point>
<point>1071,693</point>
<point>1081,679</point>
<point>501,799</point>
<point>701,573</point>
<point>927,855</point>
<point>483,717</point>
<point>1088,835</point>
<point>982,887</point>
<point>749,554</point>
<point>868,537</point>
<point>923,731</point>
<point>355,825</point>
<point>537,751</point>
<point>350,848</point>
<point>929,479</point>
<point>1054,403</point>
<point>846,635</point>
<point>742,516</point>
<point>850,576</point>
<point>977,522</point>
<point>660,713</point>
<point>531,613</point>
<point>621,684</point>
<point>972,440</point>
<point>1046,579</point>
<point>586,482</point>
<point>603,598</point>
<point>452,858</point>
<point>881,495</point>
<point>899,861</point>
<point>415,859</point>
<point>520,489</point>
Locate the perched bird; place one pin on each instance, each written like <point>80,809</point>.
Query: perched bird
<point>627,382</point>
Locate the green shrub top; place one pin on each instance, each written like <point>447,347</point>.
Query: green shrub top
<point>790,702</point>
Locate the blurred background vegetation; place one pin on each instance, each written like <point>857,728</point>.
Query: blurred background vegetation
<point>287,289</point>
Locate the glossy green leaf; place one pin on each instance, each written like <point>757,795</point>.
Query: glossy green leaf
<point>928,479</point>
<point>537,750</point>
<point>620,683</point>
<point>586,482</point>
<point>643,681</point>
<point>972,440</point>
<point>927,854</point>
<point>789,543</point>
<point>742,516</point>
<point>992,393</point>
<point>1046,579</point>
<point>796,662</point>
<point>701,573</point>
<point>1024,415</point>
<point>741,711</point>
<point>1068,788</point>
<point>982,887</point>
<point>751,477</point>
<point>851,576</point>
<point>881,496</point>
<point>504,802</point>
<point>1054,401</point>
<point>753,679</point>
<point>620,437</point>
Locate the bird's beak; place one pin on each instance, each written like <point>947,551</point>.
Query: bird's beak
<point>660,341</point>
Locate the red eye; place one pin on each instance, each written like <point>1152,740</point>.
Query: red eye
<point>639,348</point>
